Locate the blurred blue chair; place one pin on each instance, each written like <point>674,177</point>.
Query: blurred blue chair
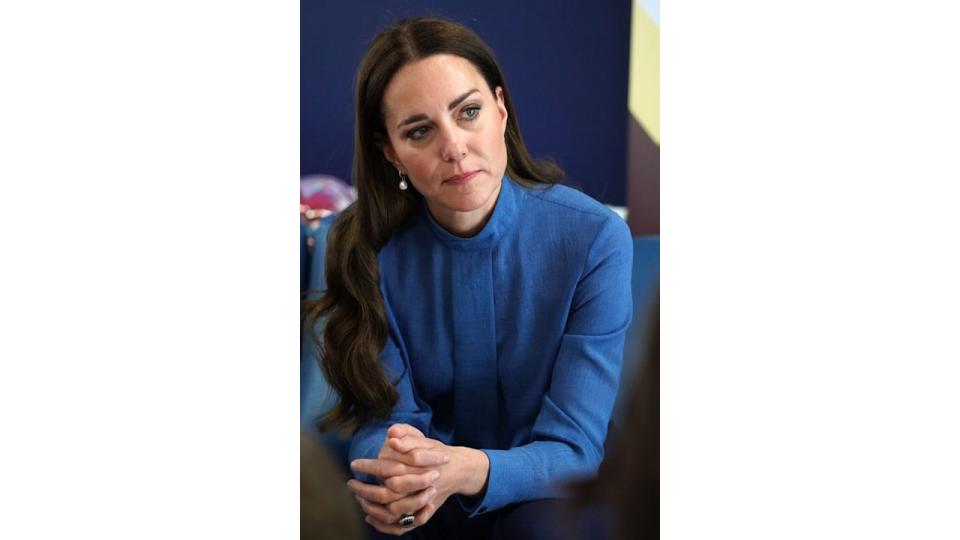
<point>644,287</point>
<point>316,396</point>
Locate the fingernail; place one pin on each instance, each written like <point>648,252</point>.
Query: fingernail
<point>434,475</point>
<point>353,464</point>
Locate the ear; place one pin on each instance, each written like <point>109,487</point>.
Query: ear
<point>502,109</point>
<point>389,154</point>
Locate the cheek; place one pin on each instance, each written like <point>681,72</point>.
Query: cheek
<point>492,143</point>
<point>419,165</point>
<point>409,156</point>
<point>498,147</point>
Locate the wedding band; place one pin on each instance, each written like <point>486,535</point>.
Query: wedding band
<point>406,520</point>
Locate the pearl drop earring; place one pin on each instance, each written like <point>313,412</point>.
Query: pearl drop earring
<point>403,181</point>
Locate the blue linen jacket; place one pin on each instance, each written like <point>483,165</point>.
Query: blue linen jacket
<point>510,341</point>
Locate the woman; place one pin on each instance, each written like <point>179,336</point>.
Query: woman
<point>475,310</point>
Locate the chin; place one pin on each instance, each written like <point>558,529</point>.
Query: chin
<point>466,205</point>
<point>476,200</point>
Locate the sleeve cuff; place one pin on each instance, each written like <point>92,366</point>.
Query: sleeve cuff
<point>504,471</point>
<point>366,444</point>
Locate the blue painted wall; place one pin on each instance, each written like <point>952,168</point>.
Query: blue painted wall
<point>565,63</point>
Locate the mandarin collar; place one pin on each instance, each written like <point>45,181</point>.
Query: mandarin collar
<point>501,220</point>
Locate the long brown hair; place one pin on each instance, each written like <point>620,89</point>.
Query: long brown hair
<point>356,326</point>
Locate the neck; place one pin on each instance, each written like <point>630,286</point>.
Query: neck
<point>465,224</point>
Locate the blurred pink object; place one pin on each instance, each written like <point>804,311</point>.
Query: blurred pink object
<point>322,195</point>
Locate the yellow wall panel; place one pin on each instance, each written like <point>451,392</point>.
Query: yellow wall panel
<point>644,93</point>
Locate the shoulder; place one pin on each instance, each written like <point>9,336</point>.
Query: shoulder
<point>565,198</point>
<point>569,210</point>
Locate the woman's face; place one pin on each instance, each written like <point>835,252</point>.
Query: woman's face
<point>446,132</point>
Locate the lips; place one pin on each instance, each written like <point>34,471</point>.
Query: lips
<point>460,179</point>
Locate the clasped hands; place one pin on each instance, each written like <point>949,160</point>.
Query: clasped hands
<point>418,474</point>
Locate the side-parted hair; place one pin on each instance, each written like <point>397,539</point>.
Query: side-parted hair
<point>355,330</point>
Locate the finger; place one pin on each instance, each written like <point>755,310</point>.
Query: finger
<point>384,467</point>
<point>378,512</point>
<point>401,430</point>
<point>419,518</point>
<point>406,444</point>
<point>394,529</point>
<point>388,453</point>
<point>421,457</point>
<point>377,494</point>
<point>374,467</point>
<point>424,514</point>
<point>409,483</point>
<point>411,504</point>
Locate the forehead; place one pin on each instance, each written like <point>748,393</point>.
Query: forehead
<point>430,83</point>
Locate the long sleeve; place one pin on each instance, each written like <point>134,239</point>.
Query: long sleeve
<point>368,440</point>
<point>570,429</point>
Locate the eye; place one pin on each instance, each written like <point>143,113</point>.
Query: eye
<point>418,133</point>
<point>470,113</point>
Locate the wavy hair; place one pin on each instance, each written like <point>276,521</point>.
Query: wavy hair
<point>355,330</point>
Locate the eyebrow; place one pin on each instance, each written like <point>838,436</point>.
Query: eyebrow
<point>450,107</point>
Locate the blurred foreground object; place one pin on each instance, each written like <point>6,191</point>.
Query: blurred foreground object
<point>327,509</point>
<point>627,489</point>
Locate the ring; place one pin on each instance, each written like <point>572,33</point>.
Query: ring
<point>406,520</point>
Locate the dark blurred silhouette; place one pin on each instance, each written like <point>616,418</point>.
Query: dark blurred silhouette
<point>327,508</point>
<point>623,501</point>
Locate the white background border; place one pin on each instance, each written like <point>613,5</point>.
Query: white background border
<point>148,164</point>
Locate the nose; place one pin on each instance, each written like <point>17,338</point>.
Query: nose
<point>454,149</point>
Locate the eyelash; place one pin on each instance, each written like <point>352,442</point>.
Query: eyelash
<point>412,134</point>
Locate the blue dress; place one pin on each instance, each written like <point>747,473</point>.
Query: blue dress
<point>510,341</point>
